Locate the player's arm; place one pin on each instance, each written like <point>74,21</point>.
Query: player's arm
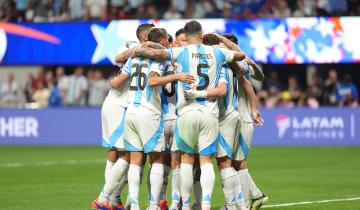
<point>249,90</point>
<point>122,57</point>
<point>211,93</point>
<point>157,80</point>
<point>228,43</point>
<point>258,73</point>
<point>119,80</point>
<point>155,54</point>
<point>153,45</point>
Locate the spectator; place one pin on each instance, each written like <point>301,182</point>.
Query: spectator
<point>9,92</point>
<point>21,6</point>
<point>55,98</point>
<point>347,93</point>
<point>77,88</point>
<point>8,11</point>
<point>180,5</point>
<point>226,12</point>
<point>40,78</point>
<point>60,10</point>
<point>152,12</point>
<point>293,89</point>
<point>95,9</point>
<point>49,78</point>
<point>98,90</point>
<point>62,83</point>
<point>330,87</point>
<point>29,88</point>
<point>190,12</point>
<point>133,6</point>
<point>76,9</point>
<point>41,96</point>
<point>304,8</point>
<point>171,13</point>
<point>202,8</point>
<point>281,9</point>
<point>42,11</point>
<point>141,13</point>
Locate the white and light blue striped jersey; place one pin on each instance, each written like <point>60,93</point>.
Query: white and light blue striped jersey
<point>204,63</point>
<point>229,103</point>
<point>119,95</point>
<point>168,96</point>
<point>243,99</point>
<point>143,98</point>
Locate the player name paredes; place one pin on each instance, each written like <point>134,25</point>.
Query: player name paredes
<point>18,127</point>
<point>201,56</point>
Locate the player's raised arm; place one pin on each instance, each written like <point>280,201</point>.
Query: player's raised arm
<point>124,75</point>
<point>155,54</point>
<point>122,57</point>
<point>258,73</point>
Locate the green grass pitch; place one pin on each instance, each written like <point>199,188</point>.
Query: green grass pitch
<point>72,177</point>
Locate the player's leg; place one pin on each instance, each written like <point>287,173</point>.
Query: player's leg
<point>186,136</point>
<point>228,132</point>
<point>175,180</point>
<point>207,146</point>
<point>156,178</point>
<point>248,185</point>
<point>197,185</point>
<point>136,161</point>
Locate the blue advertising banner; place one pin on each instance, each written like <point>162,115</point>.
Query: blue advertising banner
<point>322,127</point>
<point>282,40</point>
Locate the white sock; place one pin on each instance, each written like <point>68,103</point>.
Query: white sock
<point>156,183</point>
<point>163,195</point>
<point>117,171</point>
<point>207,180</point>
<point>186,180</point>
<point>255,191</point>
<point>197,192</point>
<point>134,184</point>
<point>229,185</point>
<point>245,186</point>
<point>175,187</point>
<point>108,168</point>
<point>115,197</point>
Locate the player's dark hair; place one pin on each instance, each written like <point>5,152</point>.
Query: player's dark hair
<point>170,38</point>
<point>231,37</point>
<point>210,39</point>
<point>157,34</point>
<point>180,31</point>
<point>142,28</point>
<point>193,28</point>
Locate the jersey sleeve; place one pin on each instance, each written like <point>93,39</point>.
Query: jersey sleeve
<point>158,68</point>
<point>174,53</point>
<point>246,66</point>
<point>127,67</point>
<point>227,55</point>
<point>224,74</point>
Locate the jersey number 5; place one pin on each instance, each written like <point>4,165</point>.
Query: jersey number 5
<point>202,76</point>
<point>141,76</point>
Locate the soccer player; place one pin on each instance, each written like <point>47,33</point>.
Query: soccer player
<point>197,124</point>
<point>247,106</point>
<point>112,118</point>
<point>143,120</point>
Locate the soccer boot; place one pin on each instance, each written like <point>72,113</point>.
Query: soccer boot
<point>163,205</point>
<point>258,202</point>
<point>100,206</point>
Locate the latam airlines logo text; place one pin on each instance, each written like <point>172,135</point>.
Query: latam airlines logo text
<point>311,127</point>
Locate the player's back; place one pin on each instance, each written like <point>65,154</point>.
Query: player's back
<point>143,98</point>
<point>229,103</point>
<point>119,96</point>
<point>204,63</point>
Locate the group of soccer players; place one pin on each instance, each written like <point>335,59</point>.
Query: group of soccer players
<point>180,104</point>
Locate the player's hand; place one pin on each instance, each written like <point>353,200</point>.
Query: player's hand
<point>258,120</point>
<point>193,94</point>
<point>188,78</point>
<point>249,61</point>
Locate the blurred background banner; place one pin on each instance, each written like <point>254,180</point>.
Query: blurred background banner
<point>323,126</point>
<point>275,40</point>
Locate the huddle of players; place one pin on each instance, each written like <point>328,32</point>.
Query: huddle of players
<point>181,106</point>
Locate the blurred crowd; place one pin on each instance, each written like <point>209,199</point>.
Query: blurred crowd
<point>53,88</point>
<point>56,89</point>
<point>89,10</point>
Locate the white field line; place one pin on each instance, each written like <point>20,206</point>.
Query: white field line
<point>51,163</point>
<point>310,202</point>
